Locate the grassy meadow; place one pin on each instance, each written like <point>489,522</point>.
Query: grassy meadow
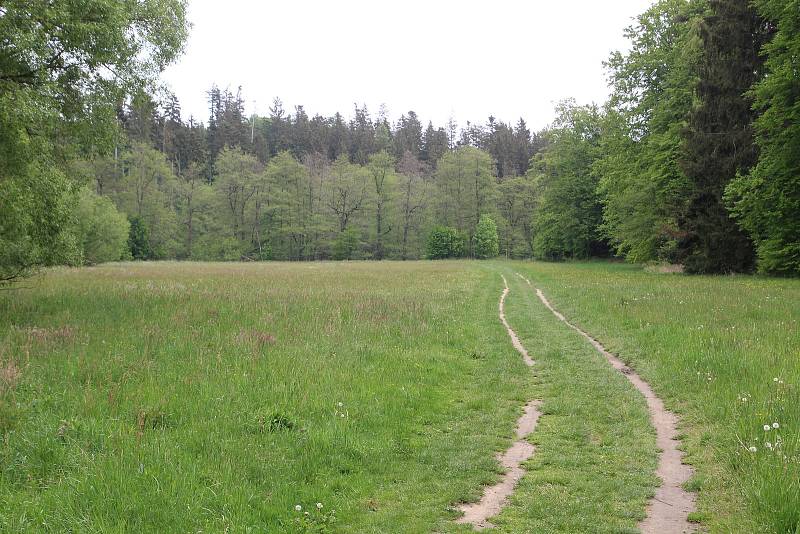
<point>724,353</point>
<point>218,397</point>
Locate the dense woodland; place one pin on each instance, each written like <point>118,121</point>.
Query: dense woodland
<point>290,187</point>
<point>695,158</point>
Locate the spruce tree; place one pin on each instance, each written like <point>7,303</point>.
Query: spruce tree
<point>719,137</point>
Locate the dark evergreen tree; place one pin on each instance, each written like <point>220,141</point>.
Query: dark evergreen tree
<point>362,136</point>
<point>337,138</point>
<point>434,144</point>
<point>408,135</point>
<point>301,134</point>
<point>719,138</point>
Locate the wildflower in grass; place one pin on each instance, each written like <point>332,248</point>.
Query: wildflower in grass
<point>767,428</point>
<point>775,425</point>
<point>753,449</point>
<point>768,445</point>
<point>298,507</point>
<point>319,506</point>
<point>340,405</point>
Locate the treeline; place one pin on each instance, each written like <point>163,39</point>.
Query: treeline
<point>694,159</point>
<point>289,187</point>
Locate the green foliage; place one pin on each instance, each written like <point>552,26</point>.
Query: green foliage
<point>381,169</point>
<point>766,201</point>
<point>486,241</point>
<point>641,184</point>
<point>720,348</point>
<point>719,137</point>
<point>445,242</point>
<point>102,231</point>
<point>346,245</point>
<point>139,240</point>
<point>567,216</point>
<point>36,217</point>
<point>58,99</point>
<point>147,191</point>
<point>466,188</point>
<point>240,186</point>
<point>515,205</point>
<point>292,202</point>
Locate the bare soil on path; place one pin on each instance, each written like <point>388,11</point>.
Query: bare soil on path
<point>668,510</point>
<point>495,497</point>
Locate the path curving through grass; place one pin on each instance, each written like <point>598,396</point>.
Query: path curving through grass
<point>668,510</point>
<point>495,497</point>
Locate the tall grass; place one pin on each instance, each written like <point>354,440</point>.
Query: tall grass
<point>218,397</point>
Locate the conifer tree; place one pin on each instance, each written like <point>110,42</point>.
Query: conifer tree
<point>719,138</point>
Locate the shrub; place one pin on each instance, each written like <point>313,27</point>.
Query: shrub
<point>486,242</point>
<point>445,242</point>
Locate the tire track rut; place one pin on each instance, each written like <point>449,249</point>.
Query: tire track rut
<point>668,510</point>
<point>495,497</point>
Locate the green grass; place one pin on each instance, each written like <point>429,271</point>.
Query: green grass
<point>704,344</point>
<point>175,397</point>
<point>596,453</point>
<point>186,397</point>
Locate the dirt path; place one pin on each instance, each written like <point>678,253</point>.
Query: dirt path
<point>667,512</point>
<point>495,497</point>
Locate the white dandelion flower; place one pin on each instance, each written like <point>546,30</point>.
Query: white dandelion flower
<point>775,425</point>
<point>753,449</point>
<point>319,506</point>
<point>766,428</point>
<point>298,507</point>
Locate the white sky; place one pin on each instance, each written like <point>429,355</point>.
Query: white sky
<point>441,58</point>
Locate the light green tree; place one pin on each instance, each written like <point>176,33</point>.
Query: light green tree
<point>148,192</point>
<point>101,230</point>
<point>466,188</point>
<point>292,219</point>
<point>566,223</point>
<point>64,67</point>
<point>381,169</point>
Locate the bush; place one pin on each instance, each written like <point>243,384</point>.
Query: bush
<point>346,244</point>
<point>101,230</point>
<point>445,242</point>
<point>486,242</point>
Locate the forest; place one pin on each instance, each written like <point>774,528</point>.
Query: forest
<point>693,160</point>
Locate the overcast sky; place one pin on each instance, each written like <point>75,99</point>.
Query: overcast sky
<point>440,58</point>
